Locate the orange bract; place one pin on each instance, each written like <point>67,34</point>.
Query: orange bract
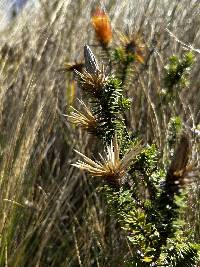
<point>102,26</point>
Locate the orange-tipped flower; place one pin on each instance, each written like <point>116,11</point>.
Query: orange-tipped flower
<point>102,26</point>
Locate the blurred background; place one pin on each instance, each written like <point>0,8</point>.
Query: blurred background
<point>9,9</point>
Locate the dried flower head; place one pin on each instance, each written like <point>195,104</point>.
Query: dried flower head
<point>92,79</point>
<point>132,45</point>
<point>84,120</point>
<point>111,168</point>
<point>178,173</point>
<point>91,82</point>
<point>102,26</point>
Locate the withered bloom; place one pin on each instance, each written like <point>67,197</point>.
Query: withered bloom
<point>92,79</point>
<point>85,120</point>
<point>111,168</point>
<point>133,45</point>
<point>101,23</point>
<point>178,173</point>
<point>91,82</point>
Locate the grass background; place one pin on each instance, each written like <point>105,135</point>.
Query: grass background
<point>50,214</point>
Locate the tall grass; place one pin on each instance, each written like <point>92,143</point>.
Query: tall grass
<point>50,214</point>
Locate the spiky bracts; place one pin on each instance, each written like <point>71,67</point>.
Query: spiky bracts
<point>131,48</point>
<point>105,96</point>
<point>85,119</point>
<point>111,168</point>
<point>91,82</point>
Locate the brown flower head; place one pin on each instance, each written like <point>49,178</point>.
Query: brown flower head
<point>101,23</point>
<point>111,168</point>
<point>92,79</point>
<point>85,120</point>
<point>132,45</point>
